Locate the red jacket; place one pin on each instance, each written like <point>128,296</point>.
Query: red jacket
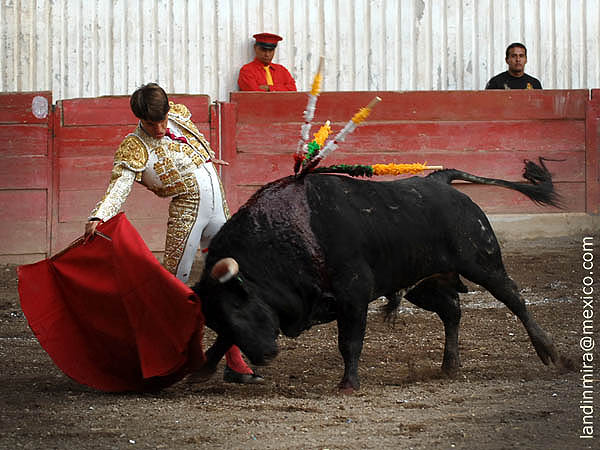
<point>253,75</point>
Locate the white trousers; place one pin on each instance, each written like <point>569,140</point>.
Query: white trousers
<point>194,219</point>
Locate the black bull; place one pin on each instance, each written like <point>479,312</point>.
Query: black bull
<point>319,248</point>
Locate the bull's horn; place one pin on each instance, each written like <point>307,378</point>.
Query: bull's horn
<point>224,270</point>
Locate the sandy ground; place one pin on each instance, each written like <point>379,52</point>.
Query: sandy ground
<point>504,397</point>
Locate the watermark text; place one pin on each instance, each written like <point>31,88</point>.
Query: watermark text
<point>587,343</point>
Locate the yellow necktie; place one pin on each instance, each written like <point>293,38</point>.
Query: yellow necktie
<point>269,77</point>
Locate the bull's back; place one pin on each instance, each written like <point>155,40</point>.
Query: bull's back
<point>414,224</point>
<point>382,209</point>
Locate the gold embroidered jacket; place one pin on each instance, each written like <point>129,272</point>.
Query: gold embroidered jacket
<point>162,165</point>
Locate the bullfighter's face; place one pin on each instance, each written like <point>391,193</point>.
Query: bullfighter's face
<point>155,129</point>
<point>234,312</point>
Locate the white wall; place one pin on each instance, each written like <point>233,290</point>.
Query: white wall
<point>89,48</point>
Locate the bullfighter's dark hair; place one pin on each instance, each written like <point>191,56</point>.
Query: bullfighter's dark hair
<point>516,44</point>
<point>150,102</point>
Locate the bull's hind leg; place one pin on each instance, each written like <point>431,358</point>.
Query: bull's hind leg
<point>352,298</point>
<point>352,321</point>
<point>439,296</point>
<point>499,284</point>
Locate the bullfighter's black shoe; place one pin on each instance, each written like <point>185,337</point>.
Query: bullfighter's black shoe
<point>231,376</point>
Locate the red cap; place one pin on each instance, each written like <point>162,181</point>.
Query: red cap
<point>267,40</point>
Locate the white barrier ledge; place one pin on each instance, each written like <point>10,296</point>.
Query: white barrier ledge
<point>534,226</point>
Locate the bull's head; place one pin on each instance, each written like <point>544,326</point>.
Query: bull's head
<point>239,316</point>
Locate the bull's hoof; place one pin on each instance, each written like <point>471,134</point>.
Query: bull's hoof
<point>451,366</point>
<point>201,375</point>
<point>451,372</point>
<point>543,345</point>
<point>346,387</point>
<point>567,364</point>
<point>547,353</point>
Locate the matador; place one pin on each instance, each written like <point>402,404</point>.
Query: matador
<point>168,155</point>
<point>179,165</point>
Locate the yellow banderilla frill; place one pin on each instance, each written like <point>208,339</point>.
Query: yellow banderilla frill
<point>397,169</point>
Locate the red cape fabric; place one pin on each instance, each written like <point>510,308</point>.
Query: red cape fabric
<point>110,316</point>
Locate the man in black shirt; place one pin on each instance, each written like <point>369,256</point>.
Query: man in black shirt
<point>515,77</point>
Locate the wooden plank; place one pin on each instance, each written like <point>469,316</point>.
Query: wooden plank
<point>542,136</point>
<point>512,105</point>
<point>24,172</point>
<point>90,140</point>
<point>23,221</point>
<point>55,178</point>
<point>23,237</point>
<point>153,231</point>
<point>23,205</point>
<point>23,140</point>
<point>98,140</point>
<point>213,132</point>
<point>258,169</point>
<point>17,107</point>
<point>76,205</point>
<point>228,142</point>
<point>115,110</point>
<point>84,172</point>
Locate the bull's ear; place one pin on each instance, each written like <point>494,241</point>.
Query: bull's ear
<point>224,270</point>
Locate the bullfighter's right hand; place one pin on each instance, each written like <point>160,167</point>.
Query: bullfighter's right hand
<point>90,229</point>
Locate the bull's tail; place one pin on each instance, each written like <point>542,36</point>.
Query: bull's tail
<point>540,188</point>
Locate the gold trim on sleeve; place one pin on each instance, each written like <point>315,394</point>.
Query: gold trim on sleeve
<point>132,154</point>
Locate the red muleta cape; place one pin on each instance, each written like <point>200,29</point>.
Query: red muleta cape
<point>109,314</point>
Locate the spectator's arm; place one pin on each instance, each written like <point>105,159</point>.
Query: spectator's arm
<point>248,82</point>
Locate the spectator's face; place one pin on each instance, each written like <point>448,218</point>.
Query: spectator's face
<point>155,129</point>
<point>516,61</point>
<point>264,55</point>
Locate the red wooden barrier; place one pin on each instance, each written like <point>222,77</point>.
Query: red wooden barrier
<point>25,174</point>
<point>592,146</point>
<point>54,169</point>
<point>487,133</point>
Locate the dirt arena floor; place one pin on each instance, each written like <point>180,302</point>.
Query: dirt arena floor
<point>504,397</point>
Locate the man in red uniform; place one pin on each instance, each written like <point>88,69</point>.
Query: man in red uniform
<point>261,74</point>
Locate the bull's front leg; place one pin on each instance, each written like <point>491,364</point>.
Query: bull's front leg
<point>214,354</point>
<point>352,319</point>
